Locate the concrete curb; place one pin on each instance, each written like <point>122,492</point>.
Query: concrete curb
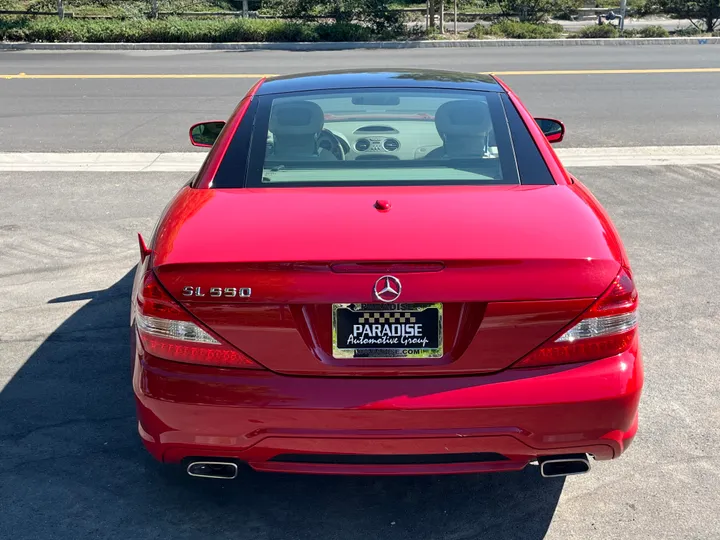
<point>633,156</point>
<point>344,45</point>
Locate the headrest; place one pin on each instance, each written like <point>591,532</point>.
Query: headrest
<point>296,118</point>
<point>463,117</point>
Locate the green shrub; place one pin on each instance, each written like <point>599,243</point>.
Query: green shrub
<point>478,31</point>
<point>124,8</point>
<point>525,30</point>
<point>654,32</point>
<point>176,30</point>
<point>689,31</point>
<point>15,34</point>
<point>598,31</point>
<point>647,32</point>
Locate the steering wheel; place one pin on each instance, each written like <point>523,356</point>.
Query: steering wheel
<point>327,140</point>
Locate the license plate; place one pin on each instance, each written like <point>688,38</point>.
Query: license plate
<point>387,330</point>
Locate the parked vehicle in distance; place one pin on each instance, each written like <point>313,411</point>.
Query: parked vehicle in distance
<point>384,272</point>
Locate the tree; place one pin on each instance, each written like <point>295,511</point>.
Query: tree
<point>703,14</point>
<point>374,13</point>
<point>433,9</point>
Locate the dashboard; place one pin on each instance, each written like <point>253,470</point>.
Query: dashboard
<point>405,140</point>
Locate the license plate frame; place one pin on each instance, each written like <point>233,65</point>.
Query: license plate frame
<point>389,317</point>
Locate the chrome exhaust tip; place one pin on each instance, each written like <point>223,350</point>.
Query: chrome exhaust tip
<point>221,470</point>
<point>565,465</point>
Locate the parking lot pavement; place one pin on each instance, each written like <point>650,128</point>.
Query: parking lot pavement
<point>71,462</point>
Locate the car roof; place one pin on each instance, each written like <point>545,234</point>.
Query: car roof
<point>379,78</point>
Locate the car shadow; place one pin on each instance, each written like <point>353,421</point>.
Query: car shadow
<point>73,466</point>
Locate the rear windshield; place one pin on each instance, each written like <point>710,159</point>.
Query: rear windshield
<point>381,137</point>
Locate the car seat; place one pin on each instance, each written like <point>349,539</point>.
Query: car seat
<point>295,127</point>
<point>464,126</point>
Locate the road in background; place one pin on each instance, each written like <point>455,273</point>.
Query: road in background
<point>72,464</point>
<point>153,114</point>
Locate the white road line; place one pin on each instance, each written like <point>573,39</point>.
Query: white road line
<point>101,162</point>
<point>640,156</point>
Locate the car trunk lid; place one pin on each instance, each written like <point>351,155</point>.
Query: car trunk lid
<point>510,265</point>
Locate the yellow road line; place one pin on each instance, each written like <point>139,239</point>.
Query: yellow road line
<point>260,75</point>
<point>610,71</point>
<point>139,76</point>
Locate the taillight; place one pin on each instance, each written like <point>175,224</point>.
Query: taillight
<point>608,328</point>
<point>167,331</point>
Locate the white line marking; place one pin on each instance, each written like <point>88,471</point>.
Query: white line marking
<point>102,162</point>
<point>640,156</point>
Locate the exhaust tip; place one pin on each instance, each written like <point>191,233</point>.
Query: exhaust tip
<point>565,465</point>
<point>220,470</point>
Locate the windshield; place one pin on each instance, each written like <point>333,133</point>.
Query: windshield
<point>387,137</point>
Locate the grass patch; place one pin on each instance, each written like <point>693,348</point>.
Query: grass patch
<point>176,30</point>
<point>517,30</point>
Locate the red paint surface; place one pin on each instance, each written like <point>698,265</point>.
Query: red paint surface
<point>255,415</point>
<point>430,223</point>
<point>144,250</point>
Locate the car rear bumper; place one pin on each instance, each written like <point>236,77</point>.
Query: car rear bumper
<point>387,426</point>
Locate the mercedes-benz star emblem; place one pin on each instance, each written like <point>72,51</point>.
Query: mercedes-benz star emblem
<point>387,289</point>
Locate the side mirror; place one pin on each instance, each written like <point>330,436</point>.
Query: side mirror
<point>205,133</point>
<point>554,130</point>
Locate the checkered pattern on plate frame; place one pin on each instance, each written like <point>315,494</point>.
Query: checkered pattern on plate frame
<point>388,318</point>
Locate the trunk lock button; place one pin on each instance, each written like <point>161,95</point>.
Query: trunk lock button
<point>382,205</point>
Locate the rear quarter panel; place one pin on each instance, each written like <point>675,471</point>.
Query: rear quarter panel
<point>612,235</point>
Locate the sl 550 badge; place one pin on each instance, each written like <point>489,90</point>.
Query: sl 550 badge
<point>217,292</point>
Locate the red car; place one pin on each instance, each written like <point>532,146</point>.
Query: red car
<point>384,272</point>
